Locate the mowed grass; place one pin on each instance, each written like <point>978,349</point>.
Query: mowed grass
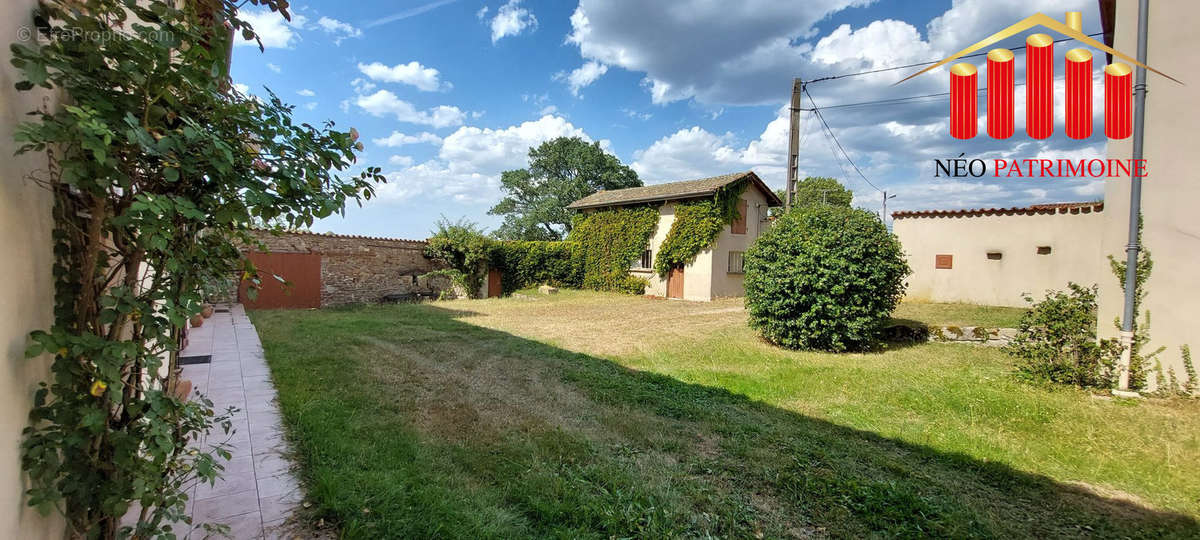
<point>593,415</point>
<point>960,314</point>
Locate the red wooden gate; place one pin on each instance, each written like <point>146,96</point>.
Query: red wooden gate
<point>302,290</point>
<point>675,282</point>
<point>494,284</point>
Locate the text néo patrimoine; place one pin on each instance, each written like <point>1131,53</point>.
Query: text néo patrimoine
<point>961,167</point>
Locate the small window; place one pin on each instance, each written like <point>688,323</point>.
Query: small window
<point>739,225</point>
<point>644,262</point>
<point>943,262</point>
<point>994,255</point>
<point>736,260</point>
<point>1043,250</point>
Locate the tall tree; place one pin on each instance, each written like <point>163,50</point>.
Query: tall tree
<point>560,172</point>
<point>816,190</point>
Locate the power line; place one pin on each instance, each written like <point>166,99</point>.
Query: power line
<point>904,100</point>
<point>919,64</point>
<point>829,130</point>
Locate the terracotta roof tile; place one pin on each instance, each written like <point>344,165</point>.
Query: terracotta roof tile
<point>673,190</point>
<point>1051,208</point>
<point>332,235</point>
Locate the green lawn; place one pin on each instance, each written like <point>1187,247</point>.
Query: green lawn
<point>960,314</point>
<point>591,415</point>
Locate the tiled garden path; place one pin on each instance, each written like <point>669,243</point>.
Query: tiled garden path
<point>258,491</point>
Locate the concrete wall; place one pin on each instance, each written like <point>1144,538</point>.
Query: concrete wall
<point>26,290</point>
<point>1171,192</point>
<point>359,269</point>
<point>1073,238</point>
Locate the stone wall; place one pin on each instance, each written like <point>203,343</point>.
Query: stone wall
<point>362,269</point>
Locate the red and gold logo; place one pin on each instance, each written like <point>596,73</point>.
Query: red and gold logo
<point>1039,85</point>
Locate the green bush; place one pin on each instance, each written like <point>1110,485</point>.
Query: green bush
<point>1056,341</point>
<point>824,278</point>
<point>611,240</point>
<point>463,247</point>
<point>527,263</point>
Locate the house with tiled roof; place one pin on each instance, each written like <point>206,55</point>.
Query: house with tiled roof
<point>994,256</point>
<point>717,270</point>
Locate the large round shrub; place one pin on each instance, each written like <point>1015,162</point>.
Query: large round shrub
<point>824,278</point>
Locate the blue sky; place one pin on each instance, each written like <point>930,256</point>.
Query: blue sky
<point>449,93</point>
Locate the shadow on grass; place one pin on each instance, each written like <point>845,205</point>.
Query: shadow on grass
<point>411,423</point>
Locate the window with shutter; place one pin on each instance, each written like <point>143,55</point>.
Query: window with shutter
<point>736,260</point>
<point>739,225</point>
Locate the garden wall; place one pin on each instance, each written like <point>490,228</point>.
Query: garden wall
<point>362,269</point>
<point>994,256</point>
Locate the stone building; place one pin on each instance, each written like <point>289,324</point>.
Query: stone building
<point>329,270</point>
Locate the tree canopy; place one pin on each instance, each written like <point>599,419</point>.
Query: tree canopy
<point>560,172</point>
<point>815,190</point>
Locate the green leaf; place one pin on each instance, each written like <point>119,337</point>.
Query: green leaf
<point>171,174</point>
<point>34,349</point>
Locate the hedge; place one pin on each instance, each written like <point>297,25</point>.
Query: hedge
<point>524,264</point>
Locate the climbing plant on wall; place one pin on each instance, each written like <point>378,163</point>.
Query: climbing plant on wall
<point>611,240</point>
<point>159,169</point>
<point>697,225</point>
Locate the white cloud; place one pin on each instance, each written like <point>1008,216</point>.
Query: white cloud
<point>338,29</point>
<point>511,20</point>
<point>433,179</point>
<point>361,85</point>
<point>643,116</point>
<point>1094,188</point>
<point>312,105</point>
<point>412,73</point>
<point>401,161</point>
<point>474,148</point>
<point>483,11</point>
<point>273,30</point>
<point>274,67</point>
<point>470,160</point>
<point>306,92</point>
<point>401,139</point>
<point>241,88</point>
<point>582,76</point>
<point>746,53</point>
<point>548,109</point>
<point>384,103</point>
<point>880,44</point>
<point>696,153</point>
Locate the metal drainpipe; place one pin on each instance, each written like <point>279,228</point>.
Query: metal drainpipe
<point>1135,199</point>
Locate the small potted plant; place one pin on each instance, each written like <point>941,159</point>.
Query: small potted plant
<point>207,311</point>
<point>197,320</point>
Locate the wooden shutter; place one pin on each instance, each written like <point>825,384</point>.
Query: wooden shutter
<point>739,225</point>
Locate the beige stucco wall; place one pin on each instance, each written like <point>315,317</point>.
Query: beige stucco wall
<point>708,277</point>
<point>26,291</point>
<point>1171,192</point>
<point>1075,255</point>
<point>725,284</point>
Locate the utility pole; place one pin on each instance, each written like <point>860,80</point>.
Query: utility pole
<point>883,216</point>
<point>793,141</point>
<point>1135,203</point>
